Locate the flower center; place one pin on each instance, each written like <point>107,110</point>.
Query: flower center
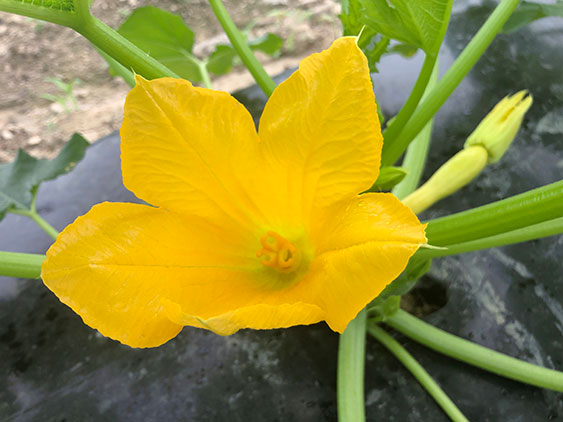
<point>278,253</point>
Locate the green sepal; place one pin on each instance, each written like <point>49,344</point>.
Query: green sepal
<point>382,308</point>
<point>20,178</point>
<point>223,57</point>
<point>416,268</point>
<point>389,176</point>
<point>351,17</point>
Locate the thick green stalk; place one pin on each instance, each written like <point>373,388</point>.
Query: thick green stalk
<point>19,7</point>
<point>532,207</point>
<point>397,124</point>
<point>415,157</point>
<point>239,43</point>
<point>82,9</point>
<point>122,50</point>
<point>462,65</point>
<point>534,231</point>
<point>350,377</point>
<point>418,372</point>
<point>120,70</point>
<point>22,265</point>
<point>474,354</point>
<point>98,33</point>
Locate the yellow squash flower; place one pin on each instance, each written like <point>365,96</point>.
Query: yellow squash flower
<point>249,230</point>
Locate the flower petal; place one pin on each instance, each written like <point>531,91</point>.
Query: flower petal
<point>184,148</point>
<point>113,266</point>
<point>138,273</point>
<point>258,317</point>
<point>363,247</point>
<point>321,128</point>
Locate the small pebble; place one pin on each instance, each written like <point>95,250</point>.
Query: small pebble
<point>34,140</point>
<point>6,134</point>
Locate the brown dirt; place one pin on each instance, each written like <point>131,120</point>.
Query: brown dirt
<point>31,51</point>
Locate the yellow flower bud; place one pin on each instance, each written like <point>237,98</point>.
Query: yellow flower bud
<point>457,172</point>
<point>498,129</point>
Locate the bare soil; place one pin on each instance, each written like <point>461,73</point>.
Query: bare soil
<point>31,51</point>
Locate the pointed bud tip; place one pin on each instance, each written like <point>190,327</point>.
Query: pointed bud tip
<point>498,129</point>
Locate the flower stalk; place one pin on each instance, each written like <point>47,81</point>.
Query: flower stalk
<point>416,369</point>
<point>474,354</point>
<point>22,265</point>
<point>417,151</point>
<point>350,376</point>
<point>40,221</point>
<point>99,34</point>
<point>122,50</point>
<point>239,44</point>
<point>524,234</point>
<point>532,207</point>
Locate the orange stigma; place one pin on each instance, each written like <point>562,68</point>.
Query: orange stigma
<point>278,252</point>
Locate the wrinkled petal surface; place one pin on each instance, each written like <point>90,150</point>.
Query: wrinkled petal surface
<point>363,247</point>
<point>321,132</point>
<point>258,317</point>
<point>130,270</point>
<point>138,273</point>
<point>185,148</point>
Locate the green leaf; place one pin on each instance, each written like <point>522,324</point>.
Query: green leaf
<point>64,5</point>
<point>527,12</point>
<point>20,178</point>
<point>269,43</point>
<point>373,44</point>
<point>388,177</point>
<point>376,48</point>
<point>165,37</point>
<point>420,23</point>
<point>351,17</point>
<point>404,50</point>
<point>222,59</point>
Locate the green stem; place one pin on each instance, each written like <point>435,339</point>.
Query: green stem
<point>239,43</point>
<point>397,124</point>
<point>120,70</point>
<point>415,158</point>
<point>518,211</point>
<point>204,74</point>
<point>22,265</point>
<point>418,372</point>
<point>474,354</point>
<point>122,50</point>
<point>98,33</point>
<point>350,377</point>
<point>462,65</point>
<point>82,8</point>
<point>47,228</point>
<point>19,7</point>
<point>524,234</point>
